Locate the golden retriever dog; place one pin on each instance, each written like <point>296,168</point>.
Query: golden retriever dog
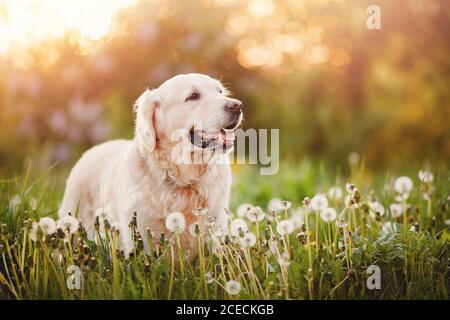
<point>177,162</point>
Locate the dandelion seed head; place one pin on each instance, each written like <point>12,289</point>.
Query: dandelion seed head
<point>350,187</point>
<point>319,202</point>
<point>233,287</point>
<point>328,214</point>
<point>425,176</point>
<point>285,227</point>
<point>255,214</point>
<point>403,184</point>
<point>285,205</point>
<point>209,278</point>
<point>396,210</point>
<point>47,225</point>
<point>175,222</point>
<point>243,209</point>
<point>275,204</point>
<point>298,218</point>
<point>34,231</point>
<point>249,240</point>
<point>237,226</point>
<point>376,207</point>
<point>68,224</point>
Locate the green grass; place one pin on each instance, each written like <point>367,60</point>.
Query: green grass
<point>321,260</point>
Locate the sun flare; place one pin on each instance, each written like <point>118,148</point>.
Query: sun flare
<point>25,23</point>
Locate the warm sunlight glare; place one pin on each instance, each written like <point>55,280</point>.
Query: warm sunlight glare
<point>24,23</point>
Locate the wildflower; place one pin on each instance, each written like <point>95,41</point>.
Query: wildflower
<point>15,200</point>
<point>350,187</point>
<point>402,197</point>
<point>285,205</point>
<point>275,204</point>
<point>34,231</point>
<point>68,224</point>
<point>249,240</point>
<point>255,214</point>
<point>403,185</point>
<point>377,208</point>
<point>209,278</point>
<point>351,202</point>
<point>319,202</point>
<point>301,236</point>
<point>396,210</point>
<point>298,218</point>
<point>194,229</point>
<point>237,226</point>
<point>243,209</point>
<point>285,227</point>
<point>47,225</point>
<point>388,227</point>
<point>425,176</point>
<point>200,212</point>
<point>306,202</point>
<point>233,287</point>
<point>328,214</point>
<point>426,196</point>
<point>335,193</point>
<point>175,222</point>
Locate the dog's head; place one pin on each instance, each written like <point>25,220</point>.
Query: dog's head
<point>190,110</point>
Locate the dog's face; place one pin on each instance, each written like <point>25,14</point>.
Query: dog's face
<point>193,107</point>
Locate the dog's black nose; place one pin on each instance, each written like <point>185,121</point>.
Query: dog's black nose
<point>234,106</point>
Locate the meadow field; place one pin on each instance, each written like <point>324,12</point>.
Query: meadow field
<point>357,90</point>
<point>305,233</point>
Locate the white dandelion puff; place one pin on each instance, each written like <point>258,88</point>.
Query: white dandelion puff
<point>275,204</point>
<point>255,214</point>
<point>209,278</point>
<point>285,205</point>
<point>68,224</point>
<point>376,208</point>
<point>285,227</point>
<point>402,197</point>
<point>319,202</point>
<point>335,193</point>
<point>350,187</point>
<point>249,240</point>
<point>47,225</point>
<point>237,226</point>
<point>328,214</point>
<point>298,218</point>
<point>34,231</point>
<point>243,209</point>
<point>175,222</point>
<point>396,210</point>
<point>403,184</point>
<point>425,176</point>
<point>233,287</point>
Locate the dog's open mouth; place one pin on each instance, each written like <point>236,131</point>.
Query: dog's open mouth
<point>214,139</point>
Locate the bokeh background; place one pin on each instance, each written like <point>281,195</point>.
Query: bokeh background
<point>70,71</point>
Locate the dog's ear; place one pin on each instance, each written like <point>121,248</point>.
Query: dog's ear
<point>144,110</point>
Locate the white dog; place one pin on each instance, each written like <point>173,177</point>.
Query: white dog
<point>145,175</point>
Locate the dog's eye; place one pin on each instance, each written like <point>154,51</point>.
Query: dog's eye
<point>193,96</point>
